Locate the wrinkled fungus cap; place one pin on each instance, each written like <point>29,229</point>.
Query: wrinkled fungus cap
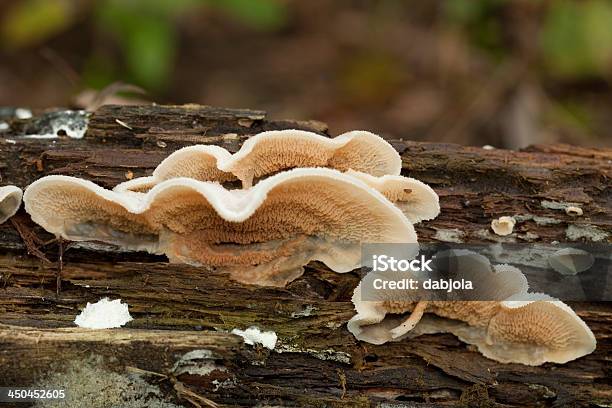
<point>197,162</point>
<point>536,329</point>
<point>278,225</point>
<point>270,152</point>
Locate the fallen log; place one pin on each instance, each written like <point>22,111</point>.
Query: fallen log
<point>180,309</point>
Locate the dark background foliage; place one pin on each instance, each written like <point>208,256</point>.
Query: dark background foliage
<point>501,72</point>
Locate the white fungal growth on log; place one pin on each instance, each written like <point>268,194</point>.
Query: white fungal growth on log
<point>253,336</point>
<point>104,314</point>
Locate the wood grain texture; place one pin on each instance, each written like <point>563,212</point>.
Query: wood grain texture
<point>178,308</point>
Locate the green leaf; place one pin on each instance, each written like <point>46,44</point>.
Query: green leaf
<point>30,22</point>
<point>150,48</point>
<point>98,71</point>
<point>576,39</point>
<point>146,33</point>
<point>261,14</point>
<point>597,26</point>
<point>463,11</point>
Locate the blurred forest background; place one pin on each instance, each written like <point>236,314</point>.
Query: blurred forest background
<point>502,72</point>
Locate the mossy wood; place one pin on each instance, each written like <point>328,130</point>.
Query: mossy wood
<point>317,362</point>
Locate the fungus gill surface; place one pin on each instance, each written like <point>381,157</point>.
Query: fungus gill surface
<point>262,235</point>
<point>494,283</point>
<point>530,329</point>
<point>509,325</point>
<point>270,152</point>
<point>417,200</point>
<point>10,201</point>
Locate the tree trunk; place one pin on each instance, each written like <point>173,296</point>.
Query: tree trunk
<point>179,309</point>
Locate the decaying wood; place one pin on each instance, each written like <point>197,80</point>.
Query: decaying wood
<point>179,309</point>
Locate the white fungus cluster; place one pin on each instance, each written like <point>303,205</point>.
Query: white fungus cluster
<point>253,336</point>
<point>287,198</point>
<point>304,197</point>
<point>104,314</point>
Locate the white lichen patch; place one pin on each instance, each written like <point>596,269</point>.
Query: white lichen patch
<point>90,384</point>
<point>253,336</point>
<point>308,311</point>
<point>325,355</point>
<point>557,205</point>
<point>196,362</point>
<point>229,383</point>
<point>104,314</point>
<point>588,232</point>
<point>487,235</point>
<point>200,354</point>
<point>449,235</point>
<point>539,220</point>
<point>528,255</point>
<point>202,369</point>
<point>503,225</point>
<point>528,236</point>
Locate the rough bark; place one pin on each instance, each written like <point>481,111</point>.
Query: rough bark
<point>179,308</point>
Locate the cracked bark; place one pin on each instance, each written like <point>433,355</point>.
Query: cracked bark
<point>178,308</point>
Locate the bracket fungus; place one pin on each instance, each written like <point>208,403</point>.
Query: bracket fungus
<point>495,283</point>
<point>509,325</point>
<point>530,329</point>
<point>263,235</point>
<point>10,201</point>
<point>270,152</point>
<point>360,154</point>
